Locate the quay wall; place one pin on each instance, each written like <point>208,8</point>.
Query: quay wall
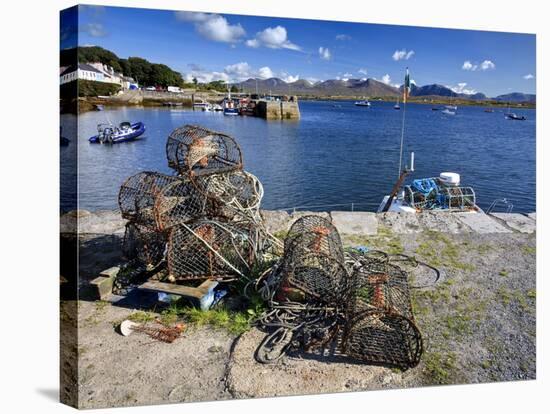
<point>350,223</point>
<point>273,110</point>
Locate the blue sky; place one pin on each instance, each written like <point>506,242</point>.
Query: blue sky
<point>234,47</point>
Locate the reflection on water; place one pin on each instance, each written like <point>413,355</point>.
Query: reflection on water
<point>333,155</point>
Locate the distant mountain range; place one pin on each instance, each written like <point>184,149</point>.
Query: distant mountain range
<point>364,87</point>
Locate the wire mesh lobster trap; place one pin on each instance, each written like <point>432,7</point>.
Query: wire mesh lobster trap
<point>315,234</point>
<point>209,249</point>
<point>136,197</point>
<point>237,192</point>
<point>178,202</point>
<point>380,325</point>
<point>143,244</point>
<point>196,151</point>
<point>321,277</point>
<point>433,194</point>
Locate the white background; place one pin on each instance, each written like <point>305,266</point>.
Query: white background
<point>29,202</point>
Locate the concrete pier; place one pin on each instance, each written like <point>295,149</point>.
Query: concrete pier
<point>273,110</point>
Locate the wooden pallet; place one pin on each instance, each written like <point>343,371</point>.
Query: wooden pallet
<point>201,294</point>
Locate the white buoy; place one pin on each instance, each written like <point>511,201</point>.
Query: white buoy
<point>450,178</point>
<point>126,327</point>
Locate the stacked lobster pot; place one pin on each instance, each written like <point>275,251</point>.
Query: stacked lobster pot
<point>321,298</point>
<point>201,223</point>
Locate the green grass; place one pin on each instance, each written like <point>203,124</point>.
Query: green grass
<point>141,317</point>
<point>384,240</point>
<point>439,367</point>
<point>439,251</point>
<point>503,273</point>
<point>529,250</point>
<point>532,293</point>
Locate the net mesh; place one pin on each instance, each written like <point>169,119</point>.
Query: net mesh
<point>380,325</point>
<point>196,151</point>
<point>143,244</point>
<point>136,197</point>
<point>179,202</point>
<point>209,249</point>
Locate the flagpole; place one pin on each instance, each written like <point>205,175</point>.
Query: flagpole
<point>405,86</point>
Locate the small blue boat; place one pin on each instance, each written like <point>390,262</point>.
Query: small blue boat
<point>110,134</point>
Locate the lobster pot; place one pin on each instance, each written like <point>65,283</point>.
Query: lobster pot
<point>379,285</point>
<point>381,327</point>
<point>136,197</point>
<point>441,197</point>
<point>385,338</point>
<point>235,190</point>
<point>314,234</point>
<point>178,202</point>
<point>458,198</point>
<point>143,244</point>
<point>209,249</point>
<point>193,150</point>
<point>321,277</point>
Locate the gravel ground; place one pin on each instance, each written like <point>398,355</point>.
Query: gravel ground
<point>478,325</point>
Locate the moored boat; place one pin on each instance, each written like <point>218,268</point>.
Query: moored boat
<point>442,193</point>
<point>110,134</point>
<point>230,106</point>
<point>514,117</point>
<point>364,102</point>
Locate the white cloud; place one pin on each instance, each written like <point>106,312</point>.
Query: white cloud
<point>289,78</point>
<point>237,72</point>
<point>205,77</point>
<point>265,73</point>
<point>343,37</point>
<point>273,38</point>
<point>403,54</point>
<point>467,65</point>
<point>213,26</point>
<point>94,29</point>
<point>324,53</point>
<point>461,87</point>
<point>386,79</point>
<point>487,65</point>
<point>313,81</point>
<point>347,75</point>
<point>187,16</point>
<point>528,76</point>
<point>363,71</point>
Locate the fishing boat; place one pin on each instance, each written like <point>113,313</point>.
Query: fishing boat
<point>451,107</point>
<point>98,107</point>
<point>111,134</point>
<point>436,193</point>
<point>364,102</point>
<point>447,111</point>
<point>515,117</point>
<point>230,107</point>
<point>200,104</point>
<point>443,193</point>
<point>217,108</point>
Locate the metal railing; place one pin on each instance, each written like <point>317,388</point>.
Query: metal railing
<point>350,206</point>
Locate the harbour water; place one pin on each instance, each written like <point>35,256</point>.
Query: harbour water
<point>335,155</point>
